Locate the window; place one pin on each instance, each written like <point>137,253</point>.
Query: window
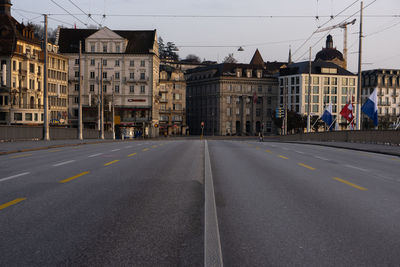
<point>315,80</point>
<point>118,48</point>
<point>334,81</point>
<point>142,75</point>
<point>352,81</point>
<point>315,108</point>
<point>132,75</point>
<point>92,75</point>
<point>345,81</point>
<point>105,88</point>
<point>260,88</point>
<point>28,116</point>
<point>116,89</point>
<point>104,62</point>
<point>228,99</point>
<point>315,90</point>
<point>92,62</point>
<point>18,116</point>
<point>344,90</point>
<point>315,99</point>
<point>131,63</point>
<point>105,75</point>
<point>132,89</point>
<point>14,65</point>
<point>76,74</point>
<point>326,90</point>
<point>142,89</point>
<point>104,48</point>
<point>326,81</point>
<point>142,63</point>
<point>76,61</point>
<point>334,90</point>
<point>77,87</point>
<point>334,99</point>
<point>92,88</point>
<point>117,75</point>
<point>228,111</point>
<point>76,100</point>
<point>258,112</point>
<point>92,48</point>
<point>117,63</point>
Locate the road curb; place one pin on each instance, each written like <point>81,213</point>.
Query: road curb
<point>344,147</point>
<point>212,242</point>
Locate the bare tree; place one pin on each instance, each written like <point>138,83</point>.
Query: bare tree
<point>192,58</point>
<point>230,59</point>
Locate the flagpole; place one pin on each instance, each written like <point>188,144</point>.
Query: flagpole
<point>332,124</point>
<point>358,111</point>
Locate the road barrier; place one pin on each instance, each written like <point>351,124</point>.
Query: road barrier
<point>373,137</point>
<point>21,132</point>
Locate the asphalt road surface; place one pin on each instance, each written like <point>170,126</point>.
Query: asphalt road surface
<point>141,203</point>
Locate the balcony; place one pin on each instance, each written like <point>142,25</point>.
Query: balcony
<point>166,110</point>
<point>163,100</point>
<point>134,119</point>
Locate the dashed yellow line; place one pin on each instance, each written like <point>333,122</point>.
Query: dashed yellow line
<point>257,148</point>
<point>56,150</point>
<point>306,166</point>
<point>351,184</point>
<point>153,146</point>
<point>111,162</point>
<point>20,156</point>
<point>73,177</point>
<point>268,151</point>
<point>283,157</point>
<point>133,154</point>
<point>13,202</point>
<point>145,149</point>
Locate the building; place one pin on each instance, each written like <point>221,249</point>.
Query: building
<point>331,54</point>
<point>232,99</point>
<point>387,81</point>
<point>172,101</point>
<point>330,83</point>
<point>22,61</point>
<point>57,86</point>
<point>130,71</point>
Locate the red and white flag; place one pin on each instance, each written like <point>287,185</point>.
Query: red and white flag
<point>347,112</point>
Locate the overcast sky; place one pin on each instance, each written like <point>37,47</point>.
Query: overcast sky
<point>272,36</point>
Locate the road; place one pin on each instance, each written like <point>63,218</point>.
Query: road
<point>141,203</point>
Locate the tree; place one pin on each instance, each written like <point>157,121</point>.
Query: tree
<point>229,59</point>
<point>192,58</point>
<point>296,122</point>
<point>167,51</point>
<point>38,30</point>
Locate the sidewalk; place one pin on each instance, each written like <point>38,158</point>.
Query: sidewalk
<point>374,148</point>
<point>24,146</point>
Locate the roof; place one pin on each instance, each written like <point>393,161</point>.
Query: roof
<point>139,42</point>
<point>257,59</point>
<point>316,66</point>
<point>327,54</point>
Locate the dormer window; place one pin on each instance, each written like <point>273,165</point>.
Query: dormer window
<point>104,48</point>
<point>118,48</point>
<point>248,72</point>
<point>238,73</point>
<point>259,73</point>
<point>92,48</point>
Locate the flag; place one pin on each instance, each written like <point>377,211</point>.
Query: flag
<point>327,116</point>
<point>347,113</point>
<point>370,107</point>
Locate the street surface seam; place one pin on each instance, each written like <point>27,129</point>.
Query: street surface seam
<point>212,242</point>
<point>13,202</point>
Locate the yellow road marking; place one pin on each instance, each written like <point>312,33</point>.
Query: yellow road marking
<point>111,162</point>
<point>396,159</point>
<point>133,154</point>
<point>283,157</point>
<point>145,149</point>
<point>306,166</point>
<point>56,150</point>
<point>8,204</point>
<point>351,184</point>
<point>73,177</point>
<point>269,151</point>
<point>153,146</point>
<point>21,156</point>
<point>257,148</point>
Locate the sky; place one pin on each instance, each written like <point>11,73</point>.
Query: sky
<point>212,29</point>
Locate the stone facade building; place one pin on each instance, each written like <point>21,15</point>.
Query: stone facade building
<point>172,101</point>
<point>232,99</point>
<point>387,81</point>
<point>130,65</point>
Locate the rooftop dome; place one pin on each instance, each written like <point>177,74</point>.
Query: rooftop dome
<point>330,53</point>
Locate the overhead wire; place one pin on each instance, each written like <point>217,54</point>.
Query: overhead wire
<point>69,13</point>
<point>88,15</point>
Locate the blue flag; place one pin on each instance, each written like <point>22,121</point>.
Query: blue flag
<point>327,116</point>
<point>370,107</point>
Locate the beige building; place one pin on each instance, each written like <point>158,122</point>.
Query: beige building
<point>21,57</point>
<point>232,99</point>
<point>130,70</point>
<point>57,86</point>
<point>172,101</point>
<point>387,81</point>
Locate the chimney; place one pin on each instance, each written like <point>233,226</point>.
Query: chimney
<point>5,7</point>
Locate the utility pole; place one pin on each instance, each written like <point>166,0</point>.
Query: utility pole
<point>102,104</point>
<point>285,106</point>
<point>358,121</point>
<point>80,126</point>
<point>46,133</point>
<point>309,95</point>
<point>113,109</point>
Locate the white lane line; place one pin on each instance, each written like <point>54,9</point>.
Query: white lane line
<point>128,146</point>
<point>95,155</point>
<point>115,150</point>
<point>318,157</point>
<point>299,152</point>
<point>212,241</point>
<point>14,176</point>
<point>357,168</point>
<point>63,163</point>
